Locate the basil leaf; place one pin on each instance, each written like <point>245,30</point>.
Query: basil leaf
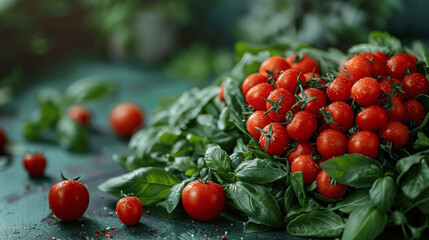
<point>355,199</point>
<point>132,162</point>
<point>71,135</point>
<point>297,183</point>
<point>399,218</point>
<point>149,184</point>
<point>189,105</point>
<point>247,65</point>
<point>364,223</point>
<point>421,126</point>
<point>182,164</point>
<point>252,227</point>
<point>50,102</point>
<point>236,159</point>
<point>242,48</point>
<point>223,122</point>
<point>234,99</point>
<point>404,164</point>
<point>422,141</point>
<point>260,171</point>
<point>383,193</point>
<point>422,201</point>
<point>174,195</point>
<point>385,39</point>
<point>416,181</point>
<point>254,201</point>
<point>322,223</point>
<point>88,89</point>
<point>145,140</point>
<point>354,170</point>
<point>218,161</point>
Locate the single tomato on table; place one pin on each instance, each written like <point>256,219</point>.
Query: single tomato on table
<point>35,164</point>
<point>129,210</point>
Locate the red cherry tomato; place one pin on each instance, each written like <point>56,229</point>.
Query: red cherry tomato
<point>129,210</point>
<point>398,64</point>
<point>285,104</point>
<point>308,76</point>
<point>395,132</point>
<point>302,126</point>
<point>326,188</point>
<point>125,119</point>
<point>342,114</point>
<point>79,114</point>
<point>397,112</point>
<point>303,62</point>
<point>378,65</point>
<point>365,91</point>
<point>331,143</point>
<point>257,119</point>
<point>414,58</point>
<point>68,200</point>
<point>414,85</point>
<point>255,96</point>
<point>315,105</point>
<point>279,141</point>
<point>307,166</point>
<point>364,142</point>
<point>272,66</point>
<point>359,67</point>
<point>203,202</point>
<point>35,164</point>
<point>372,118</point>
<point>386,87</point>
<point>339,89</point>
<point>414,111</point>
<point>289,79</point>
<point>221,94</point>
<point>302,148</point>
<point>3,141</point>
<point>382,56</point>
<point>251,81</point>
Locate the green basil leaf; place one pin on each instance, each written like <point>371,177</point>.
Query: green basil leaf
<point>71,135</point>
<point>422,141</point>
<point>399,218</point>
<point>322,223</point>
<point>385,39</point>
<point>190,104</point>
<point>252,227</point>
<point>355,199</point>
<point>254,201</point>
<point>422,201</point>
<point>89,88</point>
<point>354,170</point>
<point>383,193</point>
<point>236,159</point>
<point>404,164</point>
<point>260,171</point>
<point>247,65</point>
<point>218,161</point>
<point>364,223</point>
<point>132,162</point>
<point>242,48</point>
<point>50,102</point>
<point>174,195</point>
<point>416,181</point>
<point>297,183</point>
<point>144,141</point>
<point>182,164</point>
<point>234,99</point>
<point>421,126</point>
<point>149,184</point>
<point>223,122</point>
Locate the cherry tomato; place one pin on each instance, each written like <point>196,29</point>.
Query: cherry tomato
<point>414,111</point>
<point>278,139</point>
<point>359,67</point>
<point>378,65</point>
<point>308,76</point>
<point>79,114</point>
<point>272,66</point>
<point>203,201</point>
<point>414,58</point>
<point>372,118</point>
<point>326,188</point>
<point>397,112</point>
<point>35,164</point>
<point>386,87</point>
<point>342,114</point>
<point>339,89</point>
<point>395,132</point>
<point>3,141</point>
<point>343,65</point>
<point>302,126</point>
<point>331,143</point>
<point>414,85</point>
<point>382,56</point>
<point>398,64</point>
<point>255,96</point>
<point>68,200</point>
<point>364,142</point>
<point>125,119</point>
<point>251,81</point>
<point>289,79</point>
<point>257,119</point>
<point>303,62</point>
<point>365,91</point>
<point>302,148</point>
<point>307,166</point>
<point>315,105</point>
<point>283,108</point>
<point>129,210</point>
<point>221,94</point>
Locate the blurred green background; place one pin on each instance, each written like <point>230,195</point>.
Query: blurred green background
<point>192,39</point>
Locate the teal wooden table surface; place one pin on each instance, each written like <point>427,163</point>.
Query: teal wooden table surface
<point>24,208</point>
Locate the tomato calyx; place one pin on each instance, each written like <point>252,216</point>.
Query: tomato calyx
<point>269,135</point>
<point>275,106</point>
<point>328,117</point>
<point>396,87</point>
<point>77,179</point>
<point>272,81</point>
<point>407,72</point>
<point>207,178</point>
<point>298,57</point>
<point>302,100</point>
<point>333,181</point>
<point>353,129</point>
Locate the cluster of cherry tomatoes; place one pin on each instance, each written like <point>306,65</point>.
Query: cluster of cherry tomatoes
<point>298,113</point>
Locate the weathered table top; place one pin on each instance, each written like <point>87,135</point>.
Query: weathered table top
<point>24,208</point>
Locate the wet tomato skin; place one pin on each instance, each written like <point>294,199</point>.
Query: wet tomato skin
<point>251,81</point>
<point>288,79</point>
<point>397,112</point>
<point>359,67</point>
<point>35,164</point>
<point>272,66</point>
<point>307,166</point>
<point>398,64</point>
<point>339,89</point>
<point>365,91</point>
<point>414,111</point>
<point>314,105</point>
<point>342,114</point>
<point>125,119</point>
<point>302,126</point>
<point>331,143</point>
<point>285,104</point>
<point>302,148</point>
<point>372,118</point>
<point>255,96</point>
<point>327,189</point>
<point>415,84</point>
<point>280,142</point>
<point>303,62</point>
<point>129,210</point>
<point>395,132</point>
<point>378,65</point>
<point>386,87</point>
<point>365,143</point>
<point>257,119</point>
